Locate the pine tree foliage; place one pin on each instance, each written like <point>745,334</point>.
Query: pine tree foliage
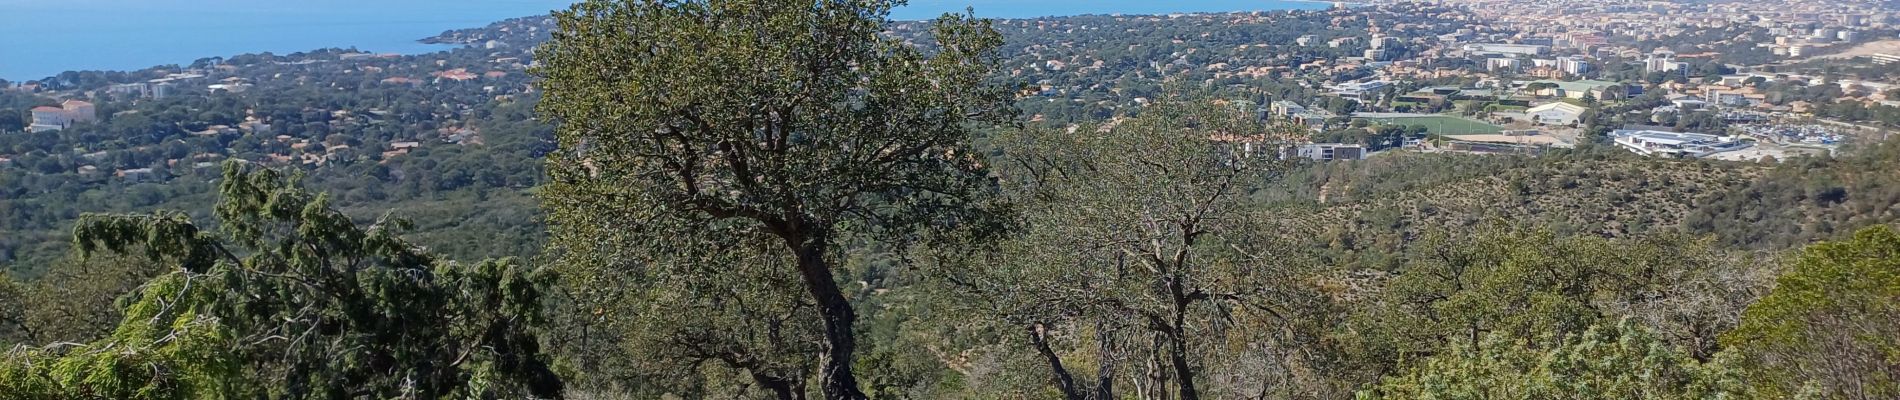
<point>291,299</point>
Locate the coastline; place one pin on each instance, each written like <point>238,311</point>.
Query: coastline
<point>108,51</point>
<point>129,35</point>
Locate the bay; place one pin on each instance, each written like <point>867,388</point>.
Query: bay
<point>40,38</point>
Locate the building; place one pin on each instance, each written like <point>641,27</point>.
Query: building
<point>1601,90</point>
<point>1824,34</point>
<point>1675,144</point>
<point>62,117</point>
<point>1314,120</point>
<point>139,88</point>
<point>1504,64</point>
<point>1360,90</point>
<point>81,111</point>
<point>137,174</point>
<point>161,90</point>
<point>1664,63</point>
<point>1559,113</point>
<point>1688,104</point>
<point>1574,65</point>
<point>238,87</point>
<point>1727,98</point>
<point>1510,49</point>
<point>1327,152</point>
<point>49,119</point>
<point>1382,42</point>
<point>1884,58</point>
<point>164,87</point>
<point>1375,55</point>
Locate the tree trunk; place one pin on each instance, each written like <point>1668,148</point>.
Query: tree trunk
<point>1063,380</point>
<point>835,375</point>
<point>1183,373</point>
<point>1176,336</point>
<point>1105,374</point>
<point>1157,374</point>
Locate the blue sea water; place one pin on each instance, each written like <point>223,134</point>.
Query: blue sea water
<point>40,38</point>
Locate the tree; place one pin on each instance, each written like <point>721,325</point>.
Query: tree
<point>11,121</point>
<point>1537,287</point>
<point>296,301</point>
<point>165,348</point>
<point>14,326</point>
<point>1831,323</point>
<point>1615,361</point>
<point>662,319</point>
<point>76,299</point>
<point>1136,234</point>
<point>797,120</point>
<point>1535,87</point>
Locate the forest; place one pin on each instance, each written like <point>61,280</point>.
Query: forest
<point>780,200</point>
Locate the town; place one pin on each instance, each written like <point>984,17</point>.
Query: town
<point>1736,81</point>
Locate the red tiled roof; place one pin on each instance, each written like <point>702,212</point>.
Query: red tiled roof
<point>45,108</point>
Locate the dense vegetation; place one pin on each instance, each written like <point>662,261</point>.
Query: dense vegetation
<point>292,300</point>
<point>781,202</point>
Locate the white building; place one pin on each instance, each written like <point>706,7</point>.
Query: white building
<point>57,118</point>
<point>49,119</point>
<point>1327,152</point>
<point>1675,144</point>
<point>139,88</point>
<point>1664,63</point>
<point>1500,48</point>
<point>1559,113</point>
<point>1574,65</point>
<point>1504,64</point>
<point>1359,90</point>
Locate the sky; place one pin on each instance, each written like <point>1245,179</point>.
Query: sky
<point>41,38</point>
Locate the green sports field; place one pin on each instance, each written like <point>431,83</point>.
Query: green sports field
<point>1441,124</point>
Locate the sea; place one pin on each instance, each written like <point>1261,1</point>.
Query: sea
<point>42,38</point>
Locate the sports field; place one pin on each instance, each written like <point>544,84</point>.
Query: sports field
<point>1441,124</point>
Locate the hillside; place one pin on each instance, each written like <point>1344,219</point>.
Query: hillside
<point>1374,209</point>
<point>792,199</point>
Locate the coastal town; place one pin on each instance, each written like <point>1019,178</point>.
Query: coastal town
<point>1730,80</point>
